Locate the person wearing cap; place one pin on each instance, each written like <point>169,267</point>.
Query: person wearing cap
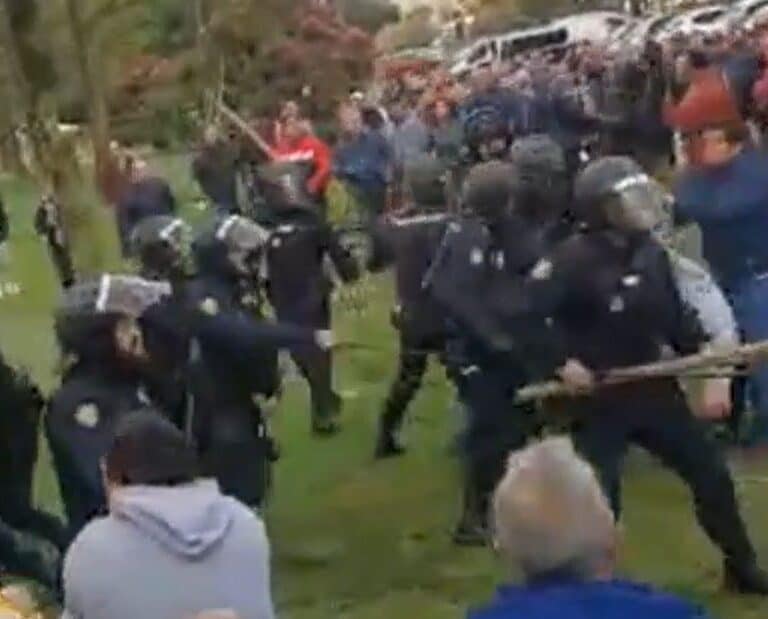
<point>725,192</point>
<point>172,545</point>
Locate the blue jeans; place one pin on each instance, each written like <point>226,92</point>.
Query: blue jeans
<point>750,305</point>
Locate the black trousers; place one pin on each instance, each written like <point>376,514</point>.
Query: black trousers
<point>236,452</point>
<point>314,364</point>
<point>657,418</point>
<point>413,359</point>
<point>496,426</point>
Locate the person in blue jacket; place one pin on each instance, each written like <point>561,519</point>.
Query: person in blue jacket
<point>725,192</point>
<point>553,524</point>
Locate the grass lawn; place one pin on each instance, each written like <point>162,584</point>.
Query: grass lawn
<point>355,538</point>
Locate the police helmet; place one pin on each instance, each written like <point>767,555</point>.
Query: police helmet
<point>284,185</point>
<point>538,159</point>
<point>541,173</point>
<point>488,189</point>
<point>88,311</point>
<point>616,192</point>
<point>426,179</point>
<point>487,133</point>
<point>230,246</point>
<point>161,243</point>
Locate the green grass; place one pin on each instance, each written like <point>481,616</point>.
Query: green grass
<point>355,538</point>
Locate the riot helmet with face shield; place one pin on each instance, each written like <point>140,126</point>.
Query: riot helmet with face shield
<point>426,179</point>
<point>488,190</point>
<point>231,247</point>
<point>162,245</point>
<point>98,320</point>
<point>284,186</point>
<point>487,134</point>
<point>541,176</point>
<point>615,192</point>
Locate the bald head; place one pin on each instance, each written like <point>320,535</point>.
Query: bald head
<point>551,516</point>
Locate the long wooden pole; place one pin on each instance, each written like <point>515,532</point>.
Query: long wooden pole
<point>247,130</point>
<point>749,354</point>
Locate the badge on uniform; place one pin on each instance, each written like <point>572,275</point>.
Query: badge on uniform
<point>542,270</point>
<point>631,281</point>
<point>87,415</point>
<point>476,258</point>
<point>209,306</point>
<point>617,304</point>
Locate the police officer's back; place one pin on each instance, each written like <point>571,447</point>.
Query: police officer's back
<point>300,248</point>
<point>408,241</point>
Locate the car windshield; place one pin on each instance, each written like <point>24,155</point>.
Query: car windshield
<point>709,17</point>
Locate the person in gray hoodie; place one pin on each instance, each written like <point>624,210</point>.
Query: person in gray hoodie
<point>172,545</point>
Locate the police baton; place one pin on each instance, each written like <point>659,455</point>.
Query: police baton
<point>710,364</point>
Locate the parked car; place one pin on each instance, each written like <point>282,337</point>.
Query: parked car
<point>706,20</point>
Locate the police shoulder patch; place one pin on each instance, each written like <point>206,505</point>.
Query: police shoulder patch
<point>476,257</point>
<point>88,415</point>
<point>209,306</point>
<point>542,270</point>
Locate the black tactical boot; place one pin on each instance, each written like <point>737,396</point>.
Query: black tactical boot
<point>388,442</point>
<point>745,578</point>
<point>472,529</point>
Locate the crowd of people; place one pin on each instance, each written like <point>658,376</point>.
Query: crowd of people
<point>530,240</point>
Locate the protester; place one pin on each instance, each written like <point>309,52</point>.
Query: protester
<point>299,145</point>
<point>725,192</point>
<point>363,160</point>
<point>553,524</point>
<point>215,170</point>
<point>184,547</point>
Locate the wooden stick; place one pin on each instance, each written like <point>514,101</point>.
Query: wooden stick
<point>748,354</point>
<point>247,130</point>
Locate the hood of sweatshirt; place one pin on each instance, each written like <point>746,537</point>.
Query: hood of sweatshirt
<point>189,520</point>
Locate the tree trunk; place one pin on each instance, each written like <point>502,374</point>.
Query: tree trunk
<point>98,112</point>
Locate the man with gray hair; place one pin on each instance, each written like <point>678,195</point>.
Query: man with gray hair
<point>553,524</point>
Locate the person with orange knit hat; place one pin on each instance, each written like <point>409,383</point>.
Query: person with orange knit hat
<point>725,191</point>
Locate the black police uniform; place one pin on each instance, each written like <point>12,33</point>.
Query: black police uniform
<point>613,301</point>
<point>100,387</point>
<point>82,415</point>
<point>299,290</point>
<point>408,241</point>
<point>19,435</point>
<point>477,283</point>
<point>229,378</point>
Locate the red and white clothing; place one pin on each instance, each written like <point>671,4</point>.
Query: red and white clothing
<point>308,149</point>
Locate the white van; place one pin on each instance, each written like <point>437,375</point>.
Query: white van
<point>746,12</point>
<point>595,27</point>
<point>706,20</point>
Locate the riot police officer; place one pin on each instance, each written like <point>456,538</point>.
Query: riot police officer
<point>105,378</point>
<point>408,240</point>
<point>161,245</point>
<point>477,277</point>
<point>609,295</point>
<point>19,439</point>
<point>300,248</point>
<point>487,135</point>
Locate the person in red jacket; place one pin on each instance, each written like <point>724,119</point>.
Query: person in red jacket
<point>298,144</point>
